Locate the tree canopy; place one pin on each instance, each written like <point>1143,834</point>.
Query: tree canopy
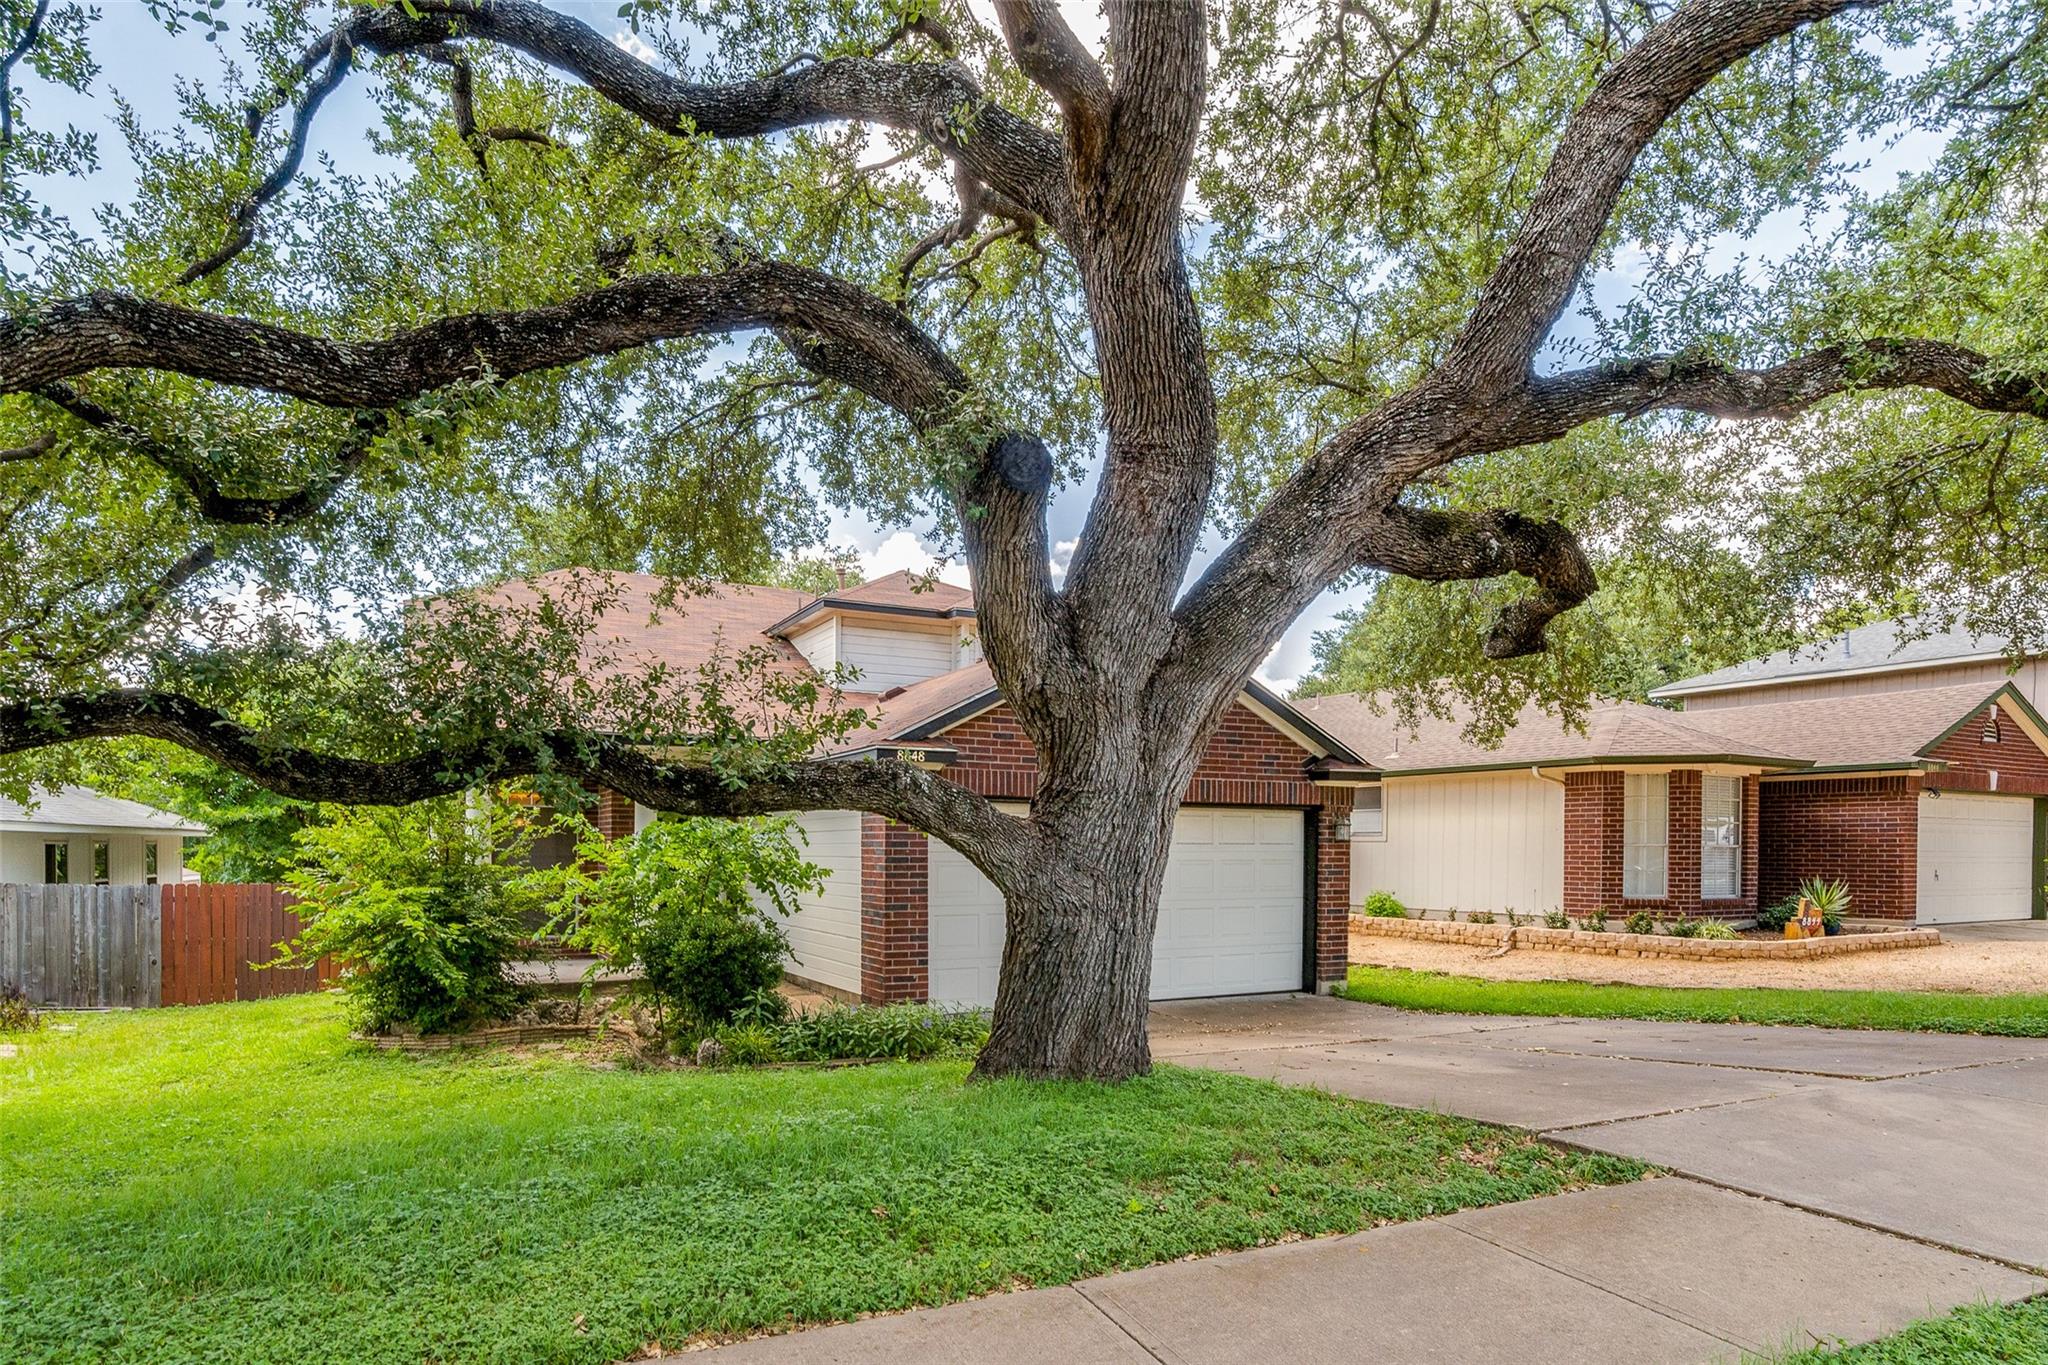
<point>1479,294</point>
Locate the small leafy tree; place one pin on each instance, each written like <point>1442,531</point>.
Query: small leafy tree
<point>422,907</point>
<point>693,904</point>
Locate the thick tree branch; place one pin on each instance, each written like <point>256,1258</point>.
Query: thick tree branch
<point>111,330</point>
<point>32,450</point>
<point>12,58</point>
<point>1439,546</point>
<point>210,500</point>
<point>995,842</point>
<point>1556,404</point>
<point>938,100</point>
<point>1051,55</point>
<point>1534,280</point>
<point>242,222</point>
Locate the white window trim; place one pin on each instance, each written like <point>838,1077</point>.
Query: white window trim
<point>1707,785</point>
<point>1378,836</point>
<point>1646,785</point>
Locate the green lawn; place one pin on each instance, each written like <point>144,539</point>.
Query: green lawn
<point>1980,1335</point>
<point>1928,1011</point>
<point>240,1182</point>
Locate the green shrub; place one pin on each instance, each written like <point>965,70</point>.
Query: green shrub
<point>693,904</point>
<point>1776,917</point>
<point>17,1013</point>
<point>1714,929</point>
<point>421,906</point>
<point>1479,917</point>
<point>1640,923</point>
<point>1595,922</point>
<point>1683,927</point>
<point>855,1032</point>
<point>1556,919</point>
<point>1384,905</point>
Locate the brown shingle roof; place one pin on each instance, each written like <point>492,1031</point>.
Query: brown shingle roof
<point>898,713</point>
<point>1882,729</point>
<point>1616,731</point>
<point>635,628</point>
<point>905,589</point>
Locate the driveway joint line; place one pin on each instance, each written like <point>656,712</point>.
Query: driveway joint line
<point>1661,1310</point>
<point>1860,1076</point>
<point>1117,1322</point>
<point>1657,1114</point>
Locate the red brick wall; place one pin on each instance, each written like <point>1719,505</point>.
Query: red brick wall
<point>1682,843</point>
<point>2021,766</point>
<point>1861,830</point>
<point>895,951</point>
<point>1332,888</point>
<point>1594,853</point>
<point>613,814</point>
<point>1247,763</point>
<point>1592,842</point>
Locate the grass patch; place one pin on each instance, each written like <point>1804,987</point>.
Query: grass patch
<point>241,1183</point>
<point>2023,1016</point>
<point>1979,1332</point>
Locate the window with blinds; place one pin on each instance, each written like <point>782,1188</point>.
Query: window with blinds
<point>1646,799</point>
<point>1721,838</point>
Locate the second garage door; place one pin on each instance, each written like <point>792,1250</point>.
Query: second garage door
<point>1230,916</point>
<point>1976,858</point>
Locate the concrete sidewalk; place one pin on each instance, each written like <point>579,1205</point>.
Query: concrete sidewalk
<point>1902,1175</point>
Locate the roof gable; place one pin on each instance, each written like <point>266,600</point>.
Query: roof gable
<point>1871,730</point>
<point>1615,732</point>
<point>1881,646</point>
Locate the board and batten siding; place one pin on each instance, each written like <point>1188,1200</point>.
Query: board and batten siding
<point>819,645</point>
<point>824,933</point>
<point>21,855</point>
<point>2031,680</point>
<point>1482,841</point>
<point>896,655</point>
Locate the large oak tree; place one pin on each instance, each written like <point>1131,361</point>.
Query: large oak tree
<point>1296,277</point>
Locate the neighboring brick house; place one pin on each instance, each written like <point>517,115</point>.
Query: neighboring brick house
<point>1640,810</point>
<point>1258,881</point>
<point>1927,796</point>
<point>1931,803</point>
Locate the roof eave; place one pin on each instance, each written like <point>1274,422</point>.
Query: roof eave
<point>1759,761</point>
<point>1698,687</point>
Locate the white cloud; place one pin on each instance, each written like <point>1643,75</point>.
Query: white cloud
<point>1062,556</point>
<point>902,550</point>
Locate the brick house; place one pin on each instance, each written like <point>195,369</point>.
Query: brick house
<point>1930,802</point>
<point>1927,792</point>
<point>1258,882</point>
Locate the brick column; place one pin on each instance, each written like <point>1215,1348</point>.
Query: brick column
<point>1752,841</point>
<point>895,917</point>
<point>1332,889</point>
<point>613,814</point>
<point>1592,842</point>
<point>1682,842</point>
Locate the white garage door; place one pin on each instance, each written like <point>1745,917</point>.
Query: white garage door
<point>1230,917</point>
<point>1976,858</point>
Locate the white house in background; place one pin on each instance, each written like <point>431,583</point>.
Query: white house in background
<point>75,834</point>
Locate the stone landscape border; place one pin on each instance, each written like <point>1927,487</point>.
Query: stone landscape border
<point>1616,943</point>
<point>515,1035</point>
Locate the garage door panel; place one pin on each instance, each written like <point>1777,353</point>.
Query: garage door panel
<point>1976,858</point>
<point>1230,915</point>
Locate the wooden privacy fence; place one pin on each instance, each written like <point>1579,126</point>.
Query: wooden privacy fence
<point>185,944</point>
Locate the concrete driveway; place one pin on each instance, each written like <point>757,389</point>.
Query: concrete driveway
<point>1829,1185</point>
<point>1938,1137</point>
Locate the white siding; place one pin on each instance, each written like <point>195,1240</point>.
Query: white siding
<point>968,649</point>
<point>820,644</point>
<point>895,655</point>
<point>1480,841</point>
<point>2032,681</point>
<point>824,933</point>
<point>21,856</point>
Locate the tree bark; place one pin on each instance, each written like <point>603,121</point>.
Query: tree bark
<point>1077,954</point>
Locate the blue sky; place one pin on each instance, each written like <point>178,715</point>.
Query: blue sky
<point>140,62</point>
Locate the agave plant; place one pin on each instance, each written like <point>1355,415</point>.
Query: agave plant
<point>1831,899</point>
